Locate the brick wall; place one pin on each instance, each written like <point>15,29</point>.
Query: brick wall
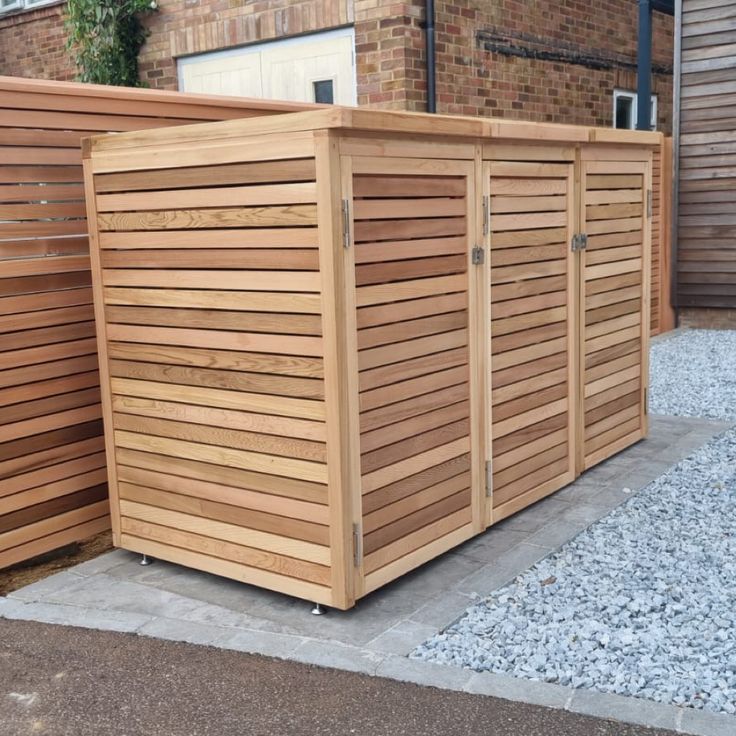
<point>390,54</point>
<point>33,44</point>
<point>183,27</point>
<point>554,61</point>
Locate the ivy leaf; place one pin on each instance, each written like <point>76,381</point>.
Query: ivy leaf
<point>105,37</point>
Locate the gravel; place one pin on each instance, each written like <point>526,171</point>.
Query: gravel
<point>693,374</point>
<point>643,602</point>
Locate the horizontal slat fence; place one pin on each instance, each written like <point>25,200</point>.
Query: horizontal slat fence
<point>52,466</point>
<point>707,155</point>
<point>662,311</point>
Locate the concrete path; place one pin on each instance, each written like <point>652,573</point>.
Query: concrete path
<point>166,601</point>
<point>58,681</point>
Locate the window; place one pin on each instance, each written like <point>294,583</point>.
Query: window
<point>625,109</point>
<point>324,91</point>
<point>8,6</point>
<point>317,67</point>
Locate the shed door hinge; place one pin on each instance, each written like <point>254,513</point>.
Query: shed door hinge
<point>486,214</point>
<point>478,255</point>
<point>646,400</point>
<point>579,242</point>
<point>649,203</point>
<point>357,545</point>
<point>489,479</point>
<point>346,223</point>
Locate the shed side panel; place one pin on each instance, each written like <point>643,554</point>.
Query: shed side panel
<point>213,325</point>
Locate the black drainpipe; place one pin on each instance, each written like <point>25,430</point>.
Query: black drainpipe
<point>644,67</point>
<point>431,60</point>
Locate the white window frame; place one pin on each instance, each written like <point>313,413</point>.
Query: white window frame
<point>16,5</point>
<point>631,95</point>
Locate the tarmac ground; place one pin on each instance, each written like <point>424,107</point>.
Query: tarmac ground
<point>65,681</point>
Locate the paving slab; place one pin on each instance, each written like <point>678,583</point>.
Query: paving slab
<point>620,708</point>
<point>703,723</point>
<point>402,638</point>
<point>524,691</point>
<point>167,601</point>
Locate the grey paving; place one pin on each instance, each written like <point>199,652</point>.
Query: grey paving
<point>166,601</point>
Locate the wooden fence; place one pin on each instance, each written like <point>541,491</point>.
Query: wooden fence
<point>53,487</point>
<point>663,313</point>
<point>705,122</point>
<point>363,337</point>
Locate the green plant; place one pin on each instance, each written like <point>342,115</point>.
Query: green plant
<point>105,37</point>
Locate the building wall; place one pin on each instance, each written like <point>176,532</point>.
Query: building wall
<point>33,44</point>
<point>530,59</point>
<point>551,61</point>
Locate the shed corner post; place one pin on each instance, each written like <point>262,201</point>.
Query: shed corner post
<point>646,293</point>
<point>576,351</point>
<point>340,369</point>
<point>101,333</point>
<point>480,328</point>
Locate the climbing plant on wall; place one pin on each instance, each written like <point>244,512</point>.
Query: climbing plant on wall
<point>105,37</point>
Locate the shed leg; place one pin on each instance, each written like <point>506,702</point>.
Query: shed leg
<point>146,560</point>
<point>318,610</point>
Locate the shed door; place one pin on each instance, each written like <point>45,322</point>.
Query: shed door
<point>413,223</point>
<point>615,290</point>
<point>532,330</point>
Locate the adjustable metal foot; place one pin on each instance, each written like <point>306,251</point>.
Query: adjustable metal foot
<point>318,610</point>
<point>146,560</point>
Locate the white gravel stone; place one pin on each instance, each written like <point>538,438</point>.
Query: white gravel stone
<point>693,374</point>
<point>642,603</point>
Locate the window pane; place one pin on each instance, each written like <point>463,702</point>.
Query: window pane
<point>324,92</point>
<point>624,110</point>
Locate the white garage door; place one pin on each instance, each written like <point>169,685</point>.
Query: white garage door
<point>319,67</point>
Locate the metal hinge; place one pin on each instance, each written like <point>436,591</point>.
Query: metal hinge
<point>579,242</point>
<point>489,479</point>
<point>646,400</point>
<point>477,256</point>
<point>486,214</point>
<point>649,203</point>
<point>346,223</point>
<point>357,545</point>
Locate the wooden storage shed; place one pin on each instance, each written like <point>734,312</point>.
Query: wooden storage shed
<point>336,344</point>
<point>53,487</point>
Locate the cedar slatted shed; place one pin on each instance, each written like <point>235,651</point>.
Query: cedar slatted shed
<point>336,344</point>
<point>52,470</point>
